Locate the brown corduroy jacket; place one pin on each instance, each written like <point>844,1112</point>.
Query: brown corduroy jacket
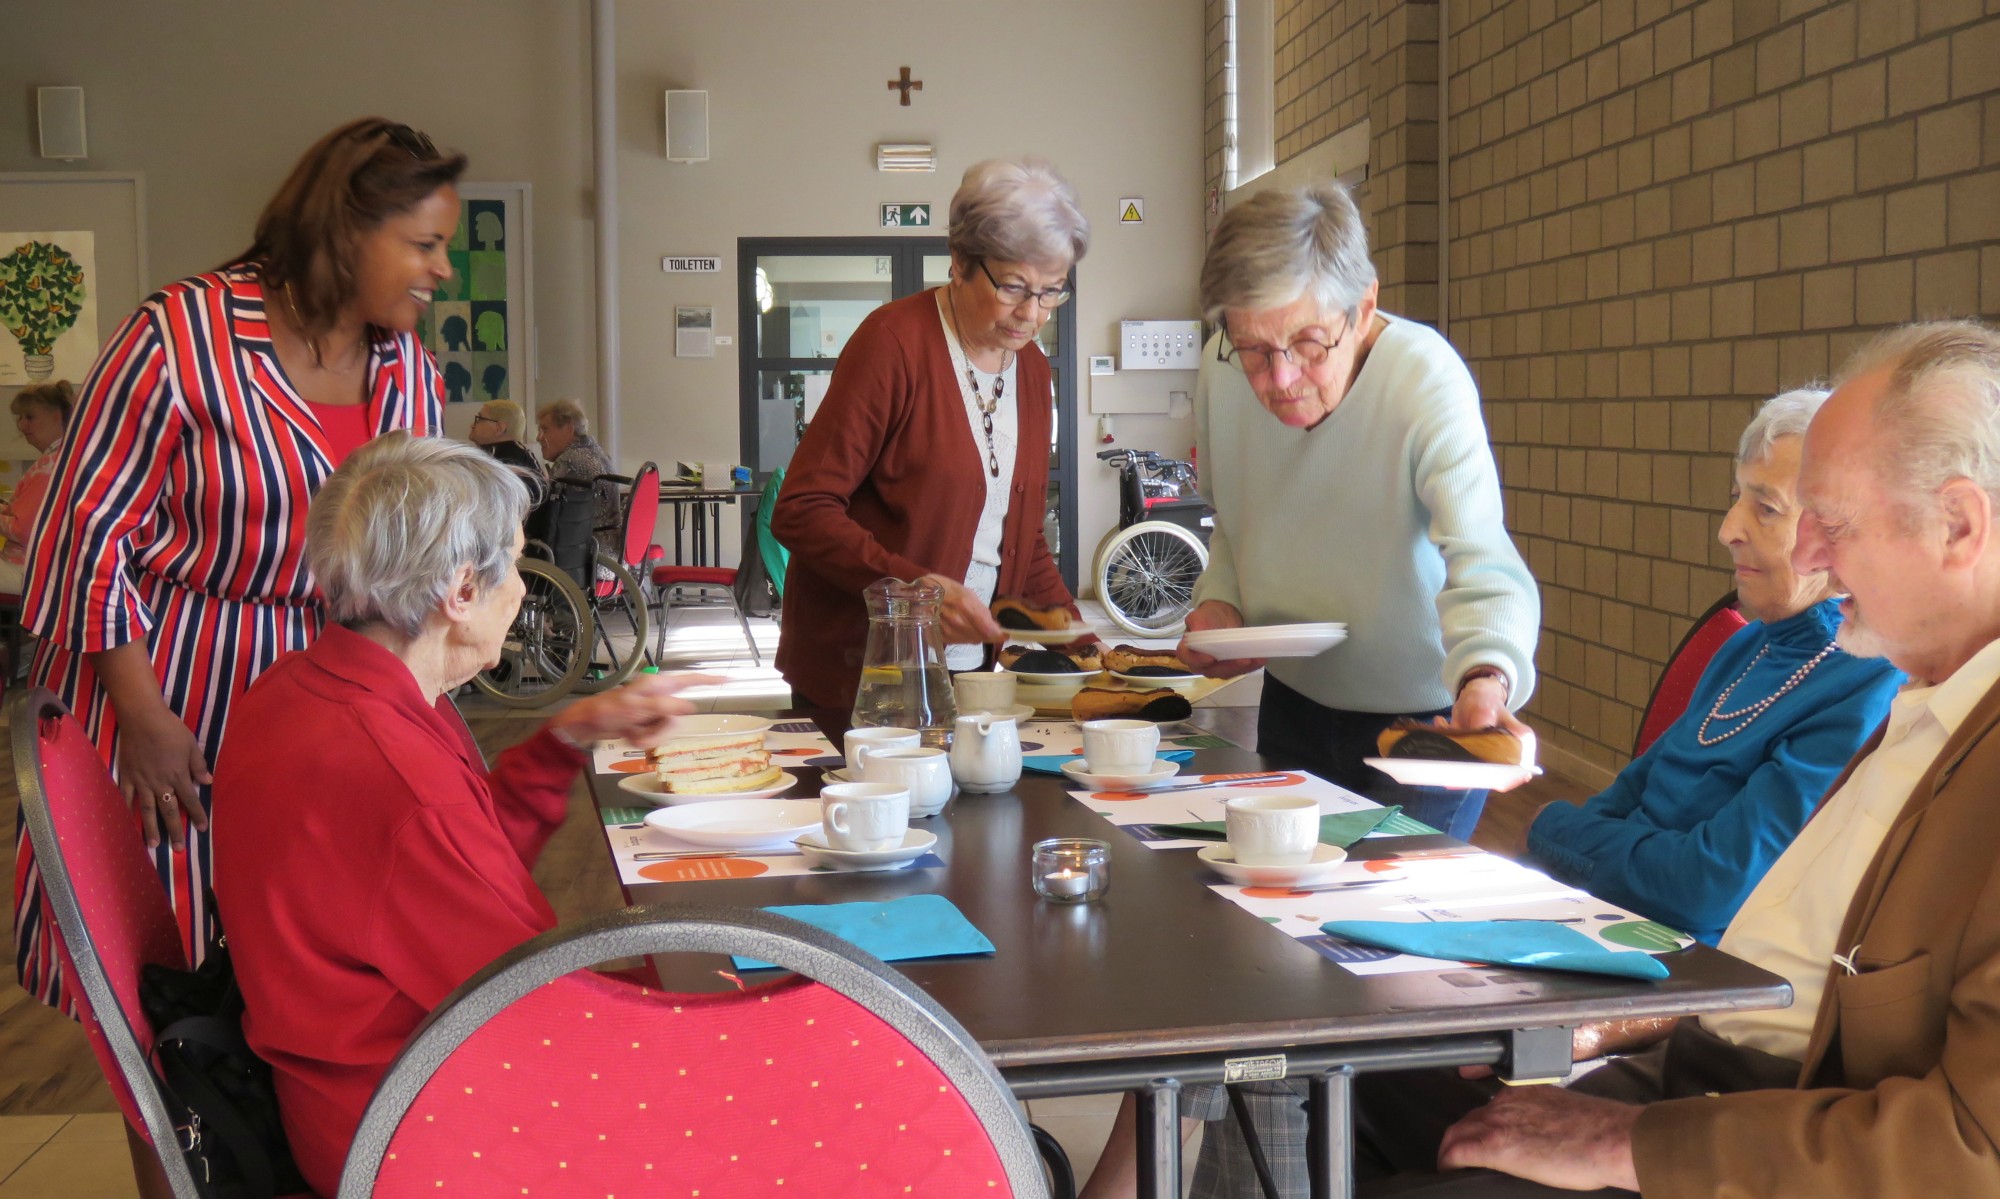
<point>1899,1093</point>
<point>889,481</point>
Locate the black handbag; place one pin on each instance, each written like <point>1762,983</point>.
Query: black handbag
<point>223,1101</point>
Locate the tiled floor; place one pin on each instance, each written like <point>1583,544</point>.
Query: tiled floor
<point>65,1157</point>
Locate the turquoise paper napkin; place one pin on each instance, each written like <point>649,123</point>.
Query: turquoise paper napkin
<point>915,926</point>
<point>1340,828</point>
<point>1535,944</point>
<point>1052,763</point>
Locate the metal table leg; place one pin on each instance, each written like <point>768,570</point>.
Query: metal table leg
<point>1159,1128</point>
<point>1330,1134</point>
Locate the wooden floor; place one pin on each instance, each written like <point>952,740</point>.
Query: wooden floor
<point>46,1067</point>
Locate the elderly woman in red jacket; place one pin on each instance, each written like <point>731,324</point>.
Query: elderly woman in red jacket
<point>928,457</point>
<point>374,862</point>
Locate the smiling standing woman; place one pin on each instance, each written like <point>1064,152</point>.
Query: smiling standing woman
<point>927,458</point>
<point>169,565</point>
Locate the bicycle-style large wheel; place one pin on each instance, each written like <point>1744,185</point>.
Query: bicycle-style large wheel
<point>1146,575</point>
<point>548,646</point>
<point>619,607</point>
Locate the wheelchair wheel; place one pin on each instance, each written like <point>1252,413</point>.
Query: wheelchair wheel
<point>618,605</point>
<point>1145,577</point>
<point>548,647</point>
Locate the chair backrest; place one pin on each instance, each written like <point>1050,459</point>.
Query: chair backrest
<point>1684,669</point>
<point>777,559</point>
<point>110,910</point>
<point>842,1079</point>
<point>642,516</point>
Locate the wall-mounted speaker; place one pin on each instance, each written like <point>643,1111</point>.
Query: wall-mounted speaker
<point>60,112</point>
<point>687,126</point>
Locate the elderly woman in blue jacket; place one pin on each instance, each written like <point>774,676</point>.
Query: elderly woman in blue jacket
<point>1690,826</point>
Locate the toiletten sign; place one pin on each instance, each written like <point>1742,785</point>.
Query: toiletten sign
<point>691,266</point>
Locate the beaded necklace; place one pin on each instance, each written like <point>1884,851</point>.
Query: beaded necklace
<point>1757,709</point>
<point>986,409</point>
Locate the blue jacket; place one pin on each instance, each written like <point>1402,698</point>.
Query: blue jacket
<point>1686,831</point>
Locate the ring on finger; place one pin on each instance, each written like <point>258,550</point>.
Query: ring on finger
<point>167,797</point>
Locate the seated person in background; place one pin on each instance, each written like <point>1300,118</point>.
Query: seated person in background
<point>1880,1078</point>
<point>39,416</point>
<point>563,432</point>
<point>498,430</point>
<point>1690,826</point>
<point>372,862</point>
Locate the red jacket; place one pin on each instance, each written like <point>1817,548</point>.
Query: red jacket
<point>888,482</point>
<point>366,865</point>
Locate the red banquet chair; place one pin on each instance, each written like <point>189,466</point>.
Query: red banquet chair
<point>713,585</point>
<point>538,1077</point>
<point>109,909</point>
<point>1684,669</point>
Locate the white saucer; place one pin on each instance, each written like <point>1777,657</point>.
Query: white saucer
<point>1048,636</point>
<point>738,823</point>
<point>1459,776</point>
<point>716,724</point>
<point>1268,641</point>
<point>1016,712</point>
<point>1149,681</point>
<point>1162,770</point>
<point>1325,860</point>
<point>648,787</point>
<point>916,843</point>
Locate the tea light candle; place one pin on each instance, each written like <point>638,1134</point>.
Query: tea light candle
<point>1067,883</point>
<point>1071,869</point>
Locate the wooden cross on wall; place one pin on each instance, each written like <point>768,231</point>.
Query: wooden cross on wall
<point>906,85</point>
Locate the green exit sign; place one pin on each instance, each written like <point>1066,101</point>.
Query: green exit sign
<point>897,216</point>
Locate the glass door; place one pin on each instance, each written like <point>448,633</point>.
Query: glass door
<point>799,299</point>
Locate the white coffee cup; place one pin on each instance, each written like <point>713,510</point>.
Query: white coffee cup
<point>1271,830</point>
<point>984,690</point>
<point>859,743</point>
<point>1120,746</point>
<point>924,772</point>
<point>864,816</point>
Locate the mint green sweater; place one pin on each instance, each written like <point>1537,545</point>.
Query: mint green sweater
<point>1386,515</point>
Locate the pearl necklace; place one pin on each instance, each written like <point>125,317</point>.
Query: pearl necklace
<point>1757,709</point>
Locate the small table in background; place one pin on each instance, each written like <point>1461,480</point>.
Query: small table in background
<point>700,508</point>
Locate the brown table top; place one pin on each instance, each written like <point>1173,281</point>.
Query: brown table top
<point>1162,965</point>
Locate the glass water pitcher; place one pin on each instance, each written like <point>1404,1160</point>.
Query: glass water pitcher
<point>904,683</point>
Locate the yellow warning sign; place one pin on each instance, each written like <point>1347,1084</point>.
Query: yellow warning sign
<point>1132,211</point>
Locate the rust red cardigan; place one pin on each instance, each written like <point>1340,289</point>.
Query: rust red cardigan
<point>888,481</point>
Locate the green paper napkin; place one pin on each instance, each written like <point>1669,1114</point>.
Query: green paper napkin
<point>1341,828</point>
<point>1533,944</point>
<point>915,926</point>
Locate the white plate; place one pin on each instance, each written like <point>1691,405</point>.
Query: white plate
<point>1325,860</point>
<point>1149,681</point>
<point>1459,776</point>
<point>1268,641</point>
<point>738,823</point>
<point>716,724</point>
<point>916,843</point>
<point>1017,712</point>
<point>1073,680</point>
<point>1047,636</point>
<point>648,787</point>
<point>1161,771</point>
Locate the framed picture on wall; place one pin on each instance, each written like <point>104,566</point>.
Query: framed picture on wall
<point>481,325</point>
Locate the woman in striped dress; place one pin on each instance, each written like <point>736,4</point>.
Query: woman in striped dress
<point>168,567</point>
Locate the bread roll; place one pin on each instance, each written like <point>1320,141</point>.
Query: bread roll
<point>1408,739</point>
<point>1014,614</point>
<point>1104,703</point>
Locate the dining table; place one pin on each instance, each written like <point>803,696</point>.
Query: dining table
<point>698,513</point>
<point>1163,983</point>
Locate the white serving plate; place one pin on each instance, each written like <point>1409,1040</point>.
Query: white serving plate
<point>1044,689</point>
<point>648,787</point>
<point>1162,770</point>
<point>916,843</point>
<point>716,724</point>
<point>1268,641</point>
<point>738,823</point>
<point>1459,776</point>
<point>1147,682</point>
<point>1325,860</point>
<point>1048,636</point>
<point>1016,712</point>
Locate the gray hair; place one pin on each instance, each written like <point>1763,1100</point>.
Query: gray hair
<point>1939,418</point>
<point>1285,243</point>
<point>394,524</point>
<point>1017,210</point>
<point>1779,417</point>
<point>567,413</point>
<point>509,414</point>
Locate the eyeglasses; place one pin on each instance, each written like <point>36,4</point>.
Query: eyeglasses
<point>415,142</point>
<point>1305,353</point>
<point>1012,294</point>
<point>483,417</point>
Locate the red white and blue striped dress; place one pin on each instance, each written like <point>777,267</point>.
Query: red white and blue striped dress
<point>178,514</point>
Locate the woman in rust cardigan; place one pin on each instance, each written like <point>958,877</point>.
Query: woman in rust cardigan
<point>927,458</point>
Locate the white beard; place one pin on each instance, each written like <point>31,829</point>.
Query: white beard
<point>1857,639</point>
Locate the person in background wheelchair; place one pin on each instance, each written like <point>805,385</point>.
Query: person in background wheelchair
<point>563,432</point>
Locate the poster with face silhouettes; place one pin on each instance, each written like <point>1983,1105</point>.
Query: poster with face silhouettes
<point>476,325</point>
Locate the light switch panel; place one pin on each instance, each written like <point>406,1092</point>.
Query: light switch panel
<point>1159,345</point>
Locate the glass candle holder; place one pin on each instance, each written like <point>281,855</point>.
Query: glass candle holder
<point>1071,869</point>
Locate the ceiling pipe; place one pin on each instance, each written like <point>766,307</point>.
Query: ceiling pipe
<point>604,119</point>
